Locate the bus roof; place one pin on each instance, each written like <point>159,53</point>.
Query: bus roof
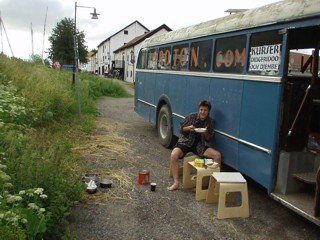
<point>283,11</point>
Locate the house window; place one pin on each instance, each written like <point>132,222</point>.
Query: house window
<point>126,32</point>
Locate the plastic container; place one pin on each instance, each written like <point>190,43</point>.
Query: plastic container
<point>198,162</point>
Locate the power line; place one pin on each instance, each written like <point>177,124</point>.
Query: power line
<point>2,26</point>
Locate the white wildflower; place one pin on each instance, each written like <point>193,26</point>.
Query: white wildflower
<point>33,206</point>
<point>22,192</point>
<point>2,166</point>
<point>18,198</point>
<point>24,221</point>
<point>38,191</point>
<point>7,185</point>
<point>43,196</point>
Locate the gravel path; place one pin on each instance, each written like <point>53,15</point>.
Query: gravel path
<point>121,146</point>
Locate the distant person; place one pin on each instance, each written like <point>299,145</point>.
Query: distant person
<point>109,70</point>
<point>192,141</point>
<point>57,66</point>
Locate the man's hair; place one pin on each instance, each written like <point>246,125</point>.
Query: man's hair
<point>205,103</point>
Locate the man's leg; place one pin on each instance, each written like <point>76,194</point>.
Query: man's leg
<point>214,154</point>
<point>175,155</point>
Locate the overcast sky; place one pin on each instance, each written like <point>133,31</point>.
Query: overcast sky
<point>19,15</point>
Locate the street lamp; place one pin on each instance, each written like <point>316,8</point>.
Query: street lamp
<point>76,51</point>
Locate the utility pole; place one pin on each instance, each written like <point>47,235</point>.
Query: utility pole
<point>44,33</point>
<point>32,53</point>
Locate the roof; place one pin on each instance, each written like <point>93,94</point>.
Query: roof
<point>91,54</point>
<point>142,37</point>
<point>122,30</point>
<point>277,12</point>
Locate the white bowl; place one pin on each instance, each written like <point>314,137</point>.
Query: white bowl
<point>200,130</point>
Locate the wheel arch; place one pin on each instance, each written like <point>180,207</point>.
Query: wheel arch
<point>163,100</point>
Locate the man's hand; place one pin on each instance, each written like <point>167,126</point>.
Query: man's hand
<point>189,128</point>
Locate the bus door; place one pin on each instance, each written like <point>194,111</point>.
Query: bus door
<point>299,139</point>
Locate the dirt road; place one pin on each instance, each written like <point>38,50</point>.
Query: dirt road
<point>121,146</point>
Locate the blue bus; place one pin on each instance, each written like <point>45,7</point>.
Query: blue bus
<point>260,70</point>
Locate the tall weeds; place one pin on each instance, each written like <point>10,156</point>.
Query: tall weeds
<point>40,174</point>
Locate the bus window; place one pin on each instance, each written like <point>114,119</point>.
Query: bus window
<point>265,53</point>
<point>152,58</point>
<point>230,55</point>
<point>164,58</point>
<point>141,64</point>
<point>180,57</point>
<point>200,56</point>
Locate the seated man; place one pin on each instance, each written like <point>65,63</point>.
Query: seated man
<point>192,141</point>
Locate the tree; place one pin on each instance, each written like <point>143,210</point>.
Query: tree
<point>35,58</point>
<point>62,43</point>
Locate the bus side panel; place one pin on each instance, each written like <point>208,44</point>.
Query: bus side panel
<point>173,88</point>
<point>153,96</point>
<point>178,92</point>
<point>183,96</point>
<point>259,124</point>
<point>197,89</point>
<point>226,105</point>
<point>144,88</point>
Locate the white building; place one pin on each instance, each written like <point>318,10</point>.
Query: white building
<point>105,56</point>
<point>128,53</point>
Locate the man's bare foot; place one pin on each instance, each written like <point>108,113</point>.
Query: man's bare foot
<point>173,187</point>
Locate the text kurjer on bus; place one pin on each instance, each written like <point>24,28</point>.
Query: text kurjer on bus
<point>265,58</point>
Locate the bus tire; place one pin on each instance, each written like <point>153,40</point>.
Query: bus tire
<point>164,127</point>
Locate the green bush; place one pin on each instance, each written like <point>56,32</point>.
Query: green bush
<point>40,174</point>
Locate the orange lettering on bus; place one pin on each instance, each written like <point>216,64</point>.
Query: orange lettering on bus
<point>183,56</point>
<point>194,57</point>
<point>167,58</point>
<point>218,56</point>
<point>175,55</point>
<point>228,58</point>
<point>164,58</point>
<point>240,57</point>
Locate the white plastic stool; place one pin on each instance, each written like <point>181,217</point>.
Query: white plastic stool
<point>189,182</point>
<point>189,157</point>
<point>221,187</point>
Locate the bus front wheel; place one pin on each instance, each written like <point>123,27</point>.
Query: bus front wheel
<point>164,125</point>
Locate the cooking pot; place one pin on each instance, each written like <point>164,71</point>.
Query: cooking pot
<point>90,176</point>
<point>106,183</point>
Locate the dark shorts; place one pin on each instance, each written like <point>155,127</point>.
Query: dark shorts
<point>186,149</point>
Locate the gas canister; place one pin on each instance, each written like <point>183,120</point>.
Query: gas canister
<point>144,177</point>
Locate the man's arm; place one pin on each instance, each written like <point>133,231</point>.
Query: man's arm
<point>208,134</point>
<point>187,125</point>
